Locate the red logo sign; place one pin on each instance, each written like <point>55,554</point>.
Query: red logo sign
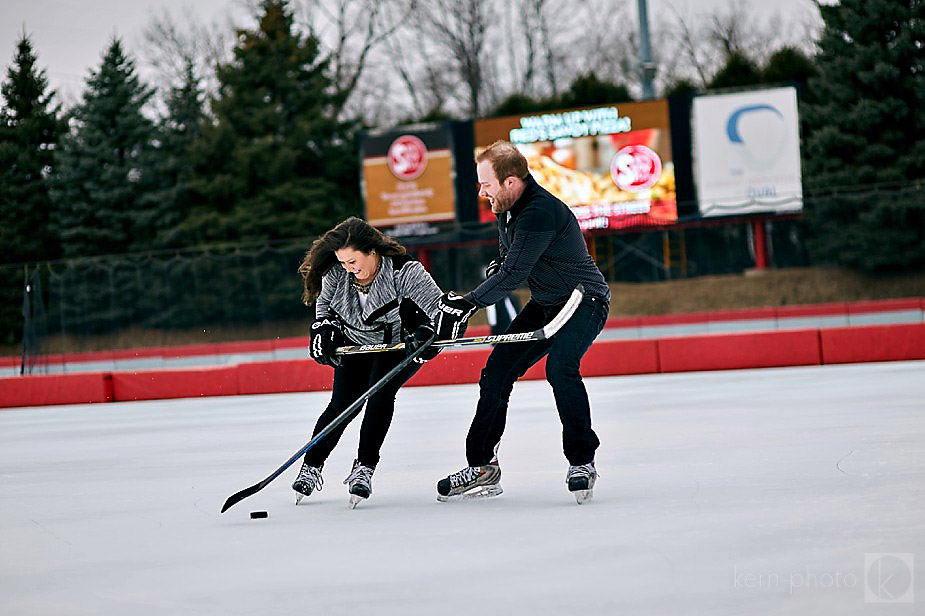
<point>407,157</point>
<point>635,167</point>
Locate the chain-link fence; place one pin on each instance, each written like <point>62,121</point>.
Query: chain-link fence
<point>247,292</point>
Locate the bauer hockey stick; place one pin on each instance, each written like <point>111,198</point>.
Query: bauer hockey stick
<point>541,334</point>
<point>239,496</point>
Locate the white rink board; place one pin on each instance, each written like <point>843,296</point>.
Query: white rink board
<point>741,492</point>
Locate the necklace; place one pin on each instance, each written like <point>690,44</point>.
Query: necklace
<point>364,287</point>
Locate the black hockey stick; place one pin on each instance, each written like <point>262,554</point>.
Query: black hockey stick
<point>239,496</point>
<point>541,334</point>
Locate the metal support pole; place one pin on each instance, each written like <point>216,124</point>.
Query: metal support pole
<point>645,53</point>
<point>761,245</point>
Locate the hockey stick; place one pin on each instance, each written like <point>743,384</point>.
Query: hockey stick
<point>239,496</point>
<point>541,334</point>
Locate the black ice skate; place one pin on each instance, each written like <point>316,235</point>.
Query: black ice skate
<point>580,480</point>
<point>360,483</point>
<point>471,482</point>
<point>309,479</point>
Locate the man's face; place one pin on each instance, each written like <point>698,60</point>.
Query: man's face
<point>499,193</point>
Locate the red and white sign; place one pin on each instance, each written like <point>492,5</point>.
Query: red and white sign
<point>407,157</point>
<point>635,167</point>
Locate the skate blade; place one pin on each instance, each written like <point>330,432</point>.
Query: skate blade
<point>355,500</point>
<point>477,493</point>
<point>583,496</point>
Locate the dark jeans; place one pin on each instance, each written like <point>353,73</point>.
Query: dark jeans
<point>351,379</point>
<point>508,362</point>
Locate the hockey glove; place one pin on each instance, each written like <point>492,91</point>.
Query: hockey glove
<point>494,267</point>
<point>326,337</point>
<point>453,314</point>
<point>416,339</point>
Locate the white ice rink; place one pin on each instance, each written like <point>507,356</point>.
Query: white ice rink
<point>748,492</point>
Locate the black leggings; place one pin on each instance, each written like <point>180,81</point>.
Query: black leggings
<point>351,379</point>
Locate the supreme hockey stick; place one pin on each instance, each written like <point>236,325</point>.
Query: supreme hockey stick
<point>541,334</point>
<point>239,496</point>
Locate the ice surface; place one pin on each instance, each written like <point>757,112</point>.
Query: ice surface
<point>745,492</point>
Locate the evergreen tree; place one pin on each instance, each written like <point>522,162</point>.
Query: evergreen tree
<point>100,177</point>
<point>790,65</point>
<point>275,162</point>
<point>866,131</point>
<point>519,104</point>
<point>739,70</point>
<point>587,90</point>
<point>166,203</point>
<point>29,130</point>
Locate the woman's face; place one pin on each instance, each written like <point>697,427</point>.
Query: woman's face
<point>362,265</point>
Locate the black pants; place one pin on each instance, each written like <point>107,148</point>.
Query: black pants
<point>509,362</point>
<point>351,379</point>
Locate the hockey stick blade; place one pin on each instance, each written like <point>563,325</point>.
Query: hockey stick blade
<point>237,497</point>
<point>548,331</point>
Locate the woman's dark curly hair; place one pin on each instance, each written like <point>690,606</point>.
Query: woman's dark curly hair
<point>352,233</point>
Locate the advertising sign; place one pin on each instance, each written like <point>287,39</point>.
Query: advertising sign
<point>747,152</point>
<point>612,164</point>
<point>408,176</point>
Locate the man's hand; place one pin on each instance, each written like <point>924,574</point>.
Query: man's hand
<point>326,336</point>
<point>454,313</point>
<point>416,339</point>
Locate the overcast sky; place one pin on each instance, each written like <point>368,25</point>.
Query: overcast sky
<point>69,36</point>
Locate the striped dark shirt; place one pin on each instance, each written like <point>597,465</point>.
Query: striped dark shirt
<point>542,244</point>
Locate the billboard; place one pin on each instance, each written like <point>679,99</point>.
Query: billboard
<point>408,176</point>
<point>747,152</point>
<point>611,164</point>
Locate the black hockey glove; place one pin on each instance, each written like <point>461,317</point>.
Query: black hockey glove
<point>326,337</point>
<point>454,312</point>
<point>494,267</point>
<point>416,339</point>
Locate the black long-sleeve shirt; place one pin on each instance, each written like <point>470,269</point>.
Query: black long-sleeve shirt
<point>541,242</point>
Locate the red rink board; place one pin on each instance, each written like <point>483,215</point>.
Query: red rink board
<point>40,390</point>
<point>844,345</point>
<point>283,376</point>
<point>739,351</point>
<point>161,384</point>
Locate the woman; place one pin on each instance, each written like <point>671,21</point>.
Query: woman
<point>367,290</point>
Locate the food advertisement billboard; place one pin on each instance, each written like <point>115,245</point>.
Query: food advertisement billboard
<point>611,164</point>
<point>408,176</point>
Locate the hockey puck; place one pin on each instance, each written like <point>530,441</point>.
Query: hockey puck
<point>258,514</point>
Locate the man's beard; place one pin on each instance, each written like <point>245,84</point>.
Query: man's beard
<point>503,201</point>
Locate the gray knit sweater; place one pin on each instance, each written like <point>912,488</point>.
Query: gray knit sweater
<point>400,280</point>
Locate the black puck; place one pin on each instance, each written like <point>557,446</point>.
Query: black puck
<point>258,514</point>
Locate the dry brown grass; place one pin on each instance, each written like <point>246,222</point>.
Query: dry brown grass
<point>810,285</point>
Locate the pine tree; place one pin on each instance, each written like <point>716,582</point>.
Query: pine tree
<point>168,200</point>
<point>739,70</point>
<point>29,130</point>
<point>275,162</point>
<point>791,66</point>
<point>866,132</point>
<point>100,175</point>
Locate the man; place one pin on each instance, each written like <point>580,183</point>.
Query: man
<point>540,242</point>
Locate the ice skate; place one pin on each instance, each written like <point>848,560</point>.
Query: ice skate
<point>471,482</point>
<point>580,480</point>
<point>309,480</point>
<point>360,483</point>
